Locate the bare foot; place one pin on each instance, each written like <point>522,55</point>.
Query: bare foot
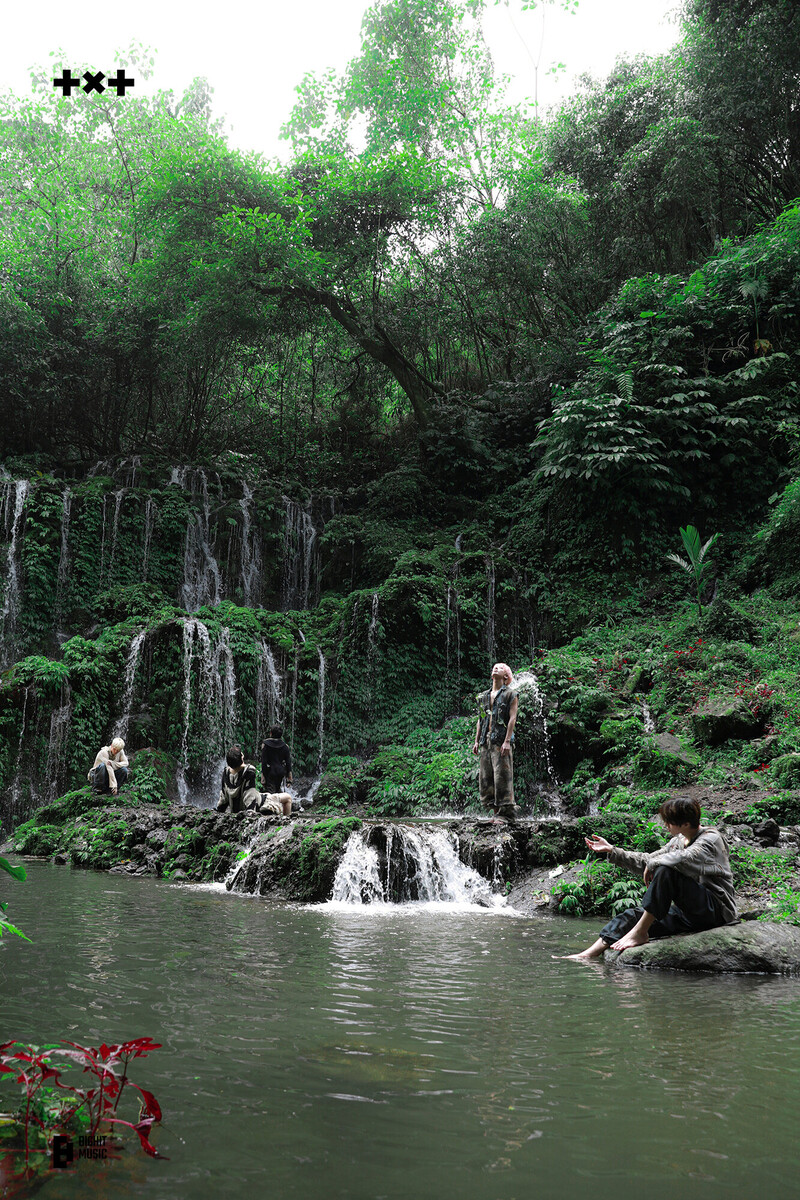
<point>584,956</point>
<point>631,939</point>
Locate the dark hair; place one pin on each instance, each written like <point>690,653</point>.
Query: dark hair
<point>234,758</point>
<point>276,731</point>
<point>680,810</point>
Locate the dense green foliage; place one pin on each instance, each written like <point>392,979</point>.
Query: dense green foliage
<point>316,443</point>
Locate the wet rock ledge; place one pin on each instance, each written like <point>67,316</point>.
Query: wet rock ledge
<point>284,858</point>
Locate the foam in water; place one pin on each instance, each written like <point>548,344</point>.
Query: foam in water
<point>389,864</point>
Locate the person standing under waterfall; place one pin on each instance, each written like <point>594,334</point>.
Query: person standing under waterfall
<point>276,761</point>
<point>494,738</point>
<point>238,790</point>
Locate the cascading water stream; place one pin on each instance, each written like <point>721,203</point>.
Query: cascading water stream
<point>149,522</point>
<point>402,864</point>
<point>119,496</point>
<point>12,519</point>
<point>269,697</point>
<point>202,579</point>
<point>321,716</point>
<point>134,653</point>
<point>299,571</point>
<point>63,559</point>
<point>57,743</point>
<point>251,552</point>
<point>213,699</point>
<point>490,607</point>
<point>528,682</point>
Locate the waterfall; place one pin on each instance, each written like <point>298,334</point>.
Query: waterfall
<point>268,693</point>
<point>251,553</point>
<point>121,727</point>
<point>647,718</point>
<point>214,696</point>
<point>59,729</point>
<point>321,719</point>
<point>118,498</point>
<point>202,580</point>
<point>299,572</point>
<point>490,603</point>
<point>63,558</point>
<point>149,521</point>
<point>372,633</point>
<point>15,786</point>
<point>13,519</point>
<point>528,682</point>
<point>402,864</point>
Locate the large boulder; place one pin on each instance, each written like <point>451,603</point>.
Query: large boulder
<point>724,717</point>
<point>755,947</point>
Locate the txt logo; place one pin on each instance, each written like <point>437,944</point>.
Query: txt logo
<point>94,82</point>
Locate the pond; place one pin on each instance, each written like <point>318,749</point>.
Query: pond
<point>371,1052</point>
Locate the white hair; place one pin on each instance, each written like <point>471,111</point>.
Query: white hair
<point>117,744</point>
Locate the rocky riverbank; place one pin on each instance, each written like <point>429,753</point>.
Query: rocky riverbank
<point>536,864</point>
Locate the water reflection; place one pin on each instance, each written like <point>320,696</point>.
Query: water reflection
<point>398,1053</point>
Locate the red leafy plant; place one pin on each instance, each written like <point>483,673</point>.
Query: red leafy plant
<point>81,1110</point>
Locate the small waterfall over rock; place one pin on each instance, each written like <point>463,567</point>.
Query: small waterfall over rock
<point>321,717</point>
<point>149,522</point>
<point>372,632</point>
<point>134,653</point>
<point>269,699</point>
<point>527,683</point>
<point>385,864</point>
<point>62,576</point>
<point>209,701</point>
<point>57,744</point>
<point>300,571</point>
<point>251,552</point>
<point>12,519</point>
<point>202,578</point>
<point>119,496</point>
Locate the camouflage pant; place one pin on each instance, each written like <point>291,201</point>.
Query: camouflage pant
<point>496,780</point>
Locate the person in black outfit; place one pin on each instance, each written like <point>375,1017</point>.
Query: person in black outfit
<point>276,761</point>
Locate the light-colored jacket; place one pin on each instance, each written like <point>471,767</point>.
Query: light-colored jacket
<point>705,860</point>
<point>104,755</point>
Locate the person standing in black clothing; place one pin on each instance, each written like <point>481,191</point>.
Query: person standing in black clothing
<point>276,761</point>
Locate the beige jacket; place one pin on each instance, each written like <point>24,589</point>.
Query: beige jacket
<point>705,860</point>
<point>104,755</point>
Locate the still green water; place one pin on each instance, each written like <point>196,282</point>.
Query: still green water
<point>311,1052</point>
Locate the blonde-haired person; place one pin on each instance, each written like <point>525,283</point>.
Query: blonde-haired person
<point>494,738</point>
<point>110,770</point>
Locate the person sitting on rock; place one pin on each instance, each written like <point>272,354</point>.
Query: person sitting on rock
<point>275,804</point>
<point>110,770</point>
<point>238,790</point>
<point>276,761</point>
<point>690,885</point>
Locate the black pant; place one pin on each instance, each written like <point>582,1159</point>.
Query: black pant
<point>273,781</point>
<point>100,780</point>
<point>679,904</point>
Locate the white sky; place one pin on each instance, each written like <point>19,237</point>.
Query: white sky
<point>255,53</point>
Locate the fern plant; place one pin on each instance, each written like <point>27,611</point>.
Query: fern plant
<point>697,563</point>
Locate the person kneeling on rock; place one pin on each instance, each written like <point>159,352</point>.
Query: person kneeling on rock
<point>238,789</point>
<point>110,770</point>
<point>690,885</point>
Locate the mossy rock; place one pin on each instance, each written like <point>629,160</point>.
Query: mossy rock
<point>38,840</point>
<point>664,759</point>
<point>334,791</point>
<point>75,804</point>
<point>723,718</point>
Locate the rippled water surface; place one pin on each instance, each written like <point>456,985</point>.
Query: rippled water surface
<point>324,1053</point>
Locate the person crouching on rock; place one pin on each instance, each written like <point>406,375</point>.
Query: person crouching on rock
<point>690,885</point>
<point>494,737</point>
<point>110,770</point>
<point>238,789</point>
